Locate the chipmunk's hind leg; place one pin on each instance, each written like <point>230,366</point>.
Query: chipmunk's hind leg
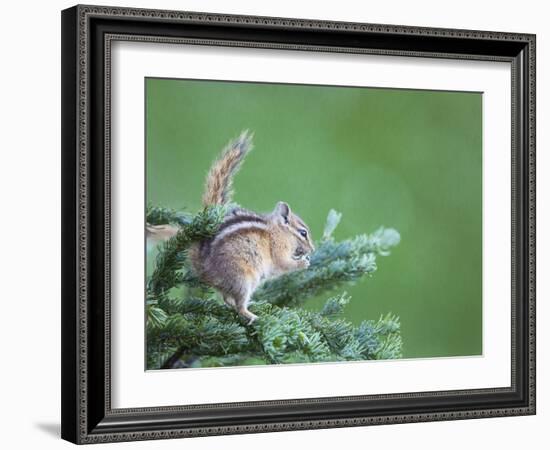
<point>239,302</point>
<point>237,288</point>
<point>230,301</point>
<point>243,311</point>
<point>242,302</point>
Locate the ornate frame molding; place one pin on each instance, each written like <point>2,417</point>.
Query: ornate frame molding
<point>83,421</point>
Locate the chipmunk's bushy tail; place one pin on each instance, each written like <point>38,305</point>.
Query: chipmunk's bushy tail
<point>219,180</point>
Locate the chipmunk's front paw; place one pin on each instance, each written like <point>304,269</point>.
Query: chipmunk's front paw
<point>301,259</point>
<point>304,262</point>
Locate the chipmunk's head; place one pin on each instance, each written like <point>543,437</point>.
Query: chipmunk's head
<point>296,231</point>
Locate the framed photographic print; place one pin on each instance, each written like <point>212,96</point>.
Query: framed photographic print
<point>280,224</point>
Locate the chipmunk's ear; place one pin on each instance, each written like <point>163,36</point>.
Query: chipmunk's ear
<point>282,210</point>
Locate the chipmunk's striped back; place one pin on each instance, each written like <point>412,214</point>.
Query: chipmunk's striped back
<point>219,180</point>
<point>238,220</point>
<point>237,223</point>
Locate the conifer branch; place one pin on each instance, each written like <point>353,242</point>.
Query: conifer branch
<point>194,328</point>
<point>173,255</point>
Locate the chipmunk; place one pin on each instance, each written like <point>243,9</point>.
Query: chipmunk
<point>248,248</point>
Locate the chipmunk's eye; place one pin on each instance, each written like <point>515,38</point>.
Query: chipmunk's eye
<point>302,232</point>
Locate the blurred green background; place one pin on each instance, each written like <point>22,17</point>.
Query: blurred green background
<point>406,159</point>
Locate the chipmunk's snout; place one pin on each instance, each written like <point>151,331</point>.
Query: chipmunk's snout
<point>310,248</point>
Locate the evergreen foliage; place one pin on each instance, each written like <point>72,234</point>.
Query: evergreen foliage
<point>188,325</point>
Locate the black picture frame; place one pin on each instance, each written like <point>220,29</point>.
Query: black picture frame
<point>87,416</point>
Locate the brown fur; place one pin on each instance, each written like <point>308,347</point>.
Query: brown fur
<point>220,177</point>
<point>160,232</point>
<point>248,247</point>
